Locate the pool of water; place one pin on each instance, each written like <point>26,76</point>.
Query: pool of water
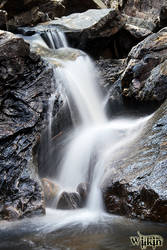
<point>76,230</point>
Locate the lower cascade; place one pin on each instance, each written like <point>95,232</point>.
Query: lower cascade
<point>94,140</point>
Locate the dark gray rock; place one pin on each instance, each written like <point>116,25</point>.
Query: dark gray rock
<point>83,189</point>
<point>139,27</point>
<point>69,201</point>
<point>136,185</point>
<point>143,8</point>
<point>163,16</point>
<point>25,86</point>
<point>31,12</point>
<point>110,70</point>
<point>145,78</point>
<point>3,19</point>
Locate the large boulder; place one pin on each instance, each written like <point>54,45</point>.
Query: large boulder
<point>143,8</point>
<point>25,87</point>
<point>94,31</point>
<point>145,78</point>
<point>31,12</point>
<point>99,32</point>
<point>75,6</point>
<point>136,183</point>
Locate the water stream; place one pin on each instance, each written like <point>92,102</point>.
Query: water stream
<point>94,138</point>
<point>93,143</point>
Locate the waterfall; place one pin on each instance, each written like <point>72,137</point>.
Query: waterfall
<point>95,140</point>
<point>54,39</point>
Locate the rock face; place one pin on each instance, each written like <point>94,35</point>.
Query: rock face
<point>137,184</point>
<point>31,12</point>
<point>143,8</point>
<point>111,70</point>
<point>25,83</point>
<point>145,78</point>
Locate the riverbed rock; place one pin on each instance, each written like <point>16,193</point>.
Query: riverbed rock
<point>136,181</point>
<point>21,13</point>
<point>163,16</point>
<point>31,12</point>
<point>51,190</point>
<point>74,6</point>
<point>145,78</point>
<point>92,31</point>
<point>143,8</point>
<point>110,70</point>
<point>139,27</point>
<point>83,189</point>
<point>3,19</point>
<point>25,86</point>
<point>69,201</point>
<point>98,32</point>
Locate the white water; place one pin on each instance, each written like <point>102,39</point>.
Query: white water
<point>94,141</point>
<point>55,39</point>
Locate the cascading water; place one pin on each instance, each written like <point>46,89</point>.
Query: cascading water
<point>54,39</point>
<point>94,144</point>
<point>94,140</point>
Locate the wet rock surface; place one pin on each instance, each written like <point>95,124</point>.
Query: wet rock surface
<point>110,70</point>
<point>136,185</point>
<point>31,12</point>
<point>83,189</point>
<point>51,190</point>
<point>143,8</point>
<point>92,31</point>
<point>24,91</point>
<point>69,201</point>
<point>100,32</point>
<point>145,77</point>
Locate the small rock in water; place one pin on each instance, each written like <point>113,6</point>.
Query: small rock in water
<point>82,189</point>
<point>51,190</point>
<point>69,201</point>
